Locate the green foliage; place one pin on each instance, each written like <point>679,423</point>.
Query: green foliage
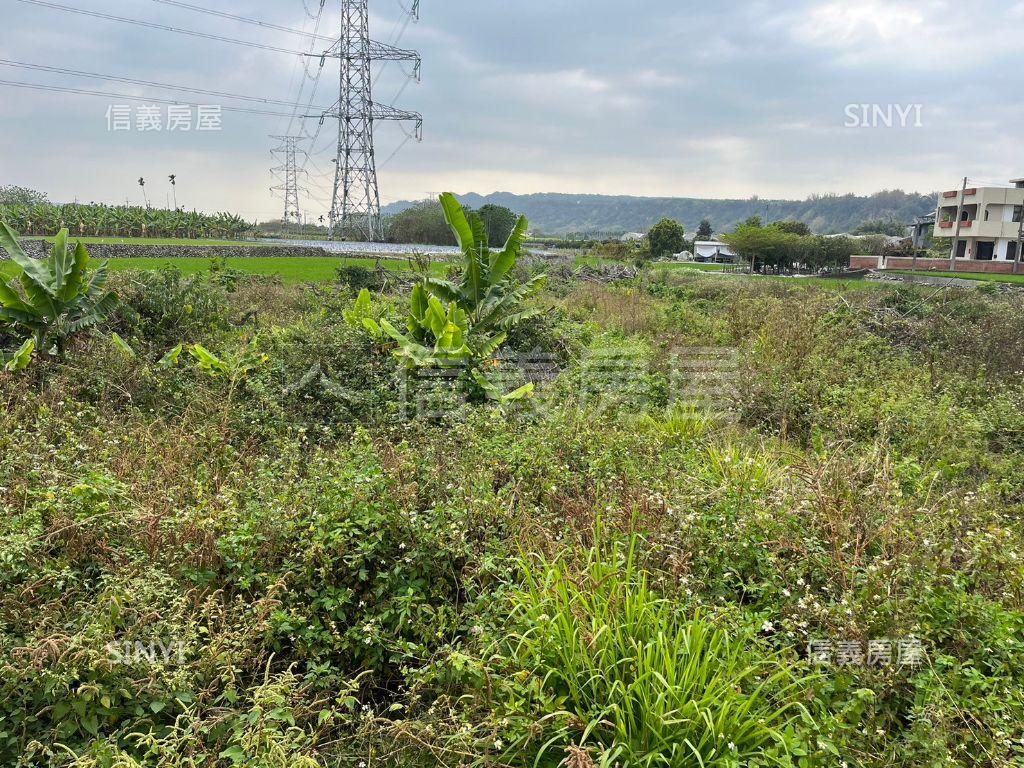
<point>265,735</point>
<point>793,227</point>
<point>875,245</point>
<point>666,238</point>
<point>234,368</point>
<point>358,278</point>
<point>625,676</point>
<point>888,225</point>
<point>19,359</point>
<point>165,306</point>
<point>13,195</point>
<point>33,216</point>
<point>422,222</point>
<point>361,315</point>
<point>704,231</point>
<point>499,222</point>
<point>784,247</point>
<point>562,583</point>
<point>58,298</point>
<point>325,377</point>
<point>465,323</point>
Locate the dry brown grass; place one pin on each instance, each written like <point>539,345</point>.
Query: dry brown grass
<point>617,307</point>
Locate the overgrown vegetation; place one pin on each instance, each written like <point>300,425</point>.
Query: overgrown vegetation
<point>231,536</point>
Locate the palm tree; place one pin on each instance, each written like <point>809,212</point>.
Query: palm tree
<point>142,183</point>
<point>174,190</point>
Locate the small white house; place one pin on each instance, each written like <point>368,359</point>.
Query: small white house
<point>713,250</point>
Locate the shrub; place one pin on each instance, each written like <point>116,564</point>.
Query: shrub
<point>357,278</point>
<point>166,307</point>
<point>666,238</point>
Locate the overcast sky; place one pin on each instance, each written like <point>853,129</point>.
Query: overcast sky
<point>645,97</point>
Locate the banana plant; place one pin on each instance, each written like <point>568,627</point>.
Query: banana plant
<point>440,334</point>
<point>97,219</point>
<point>55,298</point>
<point>361,315</point>
<point>235,367</point>
<point>19,359</point>
<point>467,322</point>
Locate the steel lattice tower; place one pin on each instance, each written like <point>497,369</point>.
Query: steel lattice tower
<point>355,202</point>
<point>288,148</point>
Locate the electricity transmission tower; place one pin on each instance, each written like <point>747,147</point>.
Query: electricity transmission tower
<point>355,201</point>
<point>289,176</point>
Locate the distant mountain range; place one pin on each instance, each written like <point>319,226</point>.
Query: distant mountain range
<point>560,214</point>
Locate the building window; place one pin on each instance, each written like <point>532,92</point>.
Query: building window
<point>1011,251</point>
<point>961,249</point>
<point>1017,210</point>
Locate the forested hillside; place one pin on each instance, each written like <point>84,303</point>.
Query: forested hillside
<point>560,214</point>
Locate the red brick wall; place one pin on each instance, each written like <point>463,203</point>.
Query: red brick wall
<point>863,262</point>
<point>942,265</point>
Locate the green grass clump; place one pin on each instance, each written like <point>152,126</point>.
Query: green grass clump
<point>637,681</point>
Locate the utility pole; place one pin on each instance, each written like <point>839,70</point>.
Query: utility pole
<point>355,199</point>
<point>288,149</point>
<point>959,218</point>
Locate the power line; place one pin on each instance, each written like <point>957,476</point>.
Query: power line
<point>399,148</point>
<point>134,81</point>
<point>394,38</point>
<point>243,19</point>
<point>303,62</point>
<point>163,27</point>
<point>306,8</point>
<point>146,99</point>
<point>316,80</point>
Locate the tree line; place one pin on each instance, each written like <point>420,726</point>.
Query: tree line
<point>782,246</point>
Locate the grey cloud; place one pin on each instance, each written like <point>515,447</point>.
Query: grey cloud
<point>660,98</point>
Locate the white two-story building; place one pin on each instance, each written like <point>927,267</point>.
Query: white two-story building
<point>989,221</point>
